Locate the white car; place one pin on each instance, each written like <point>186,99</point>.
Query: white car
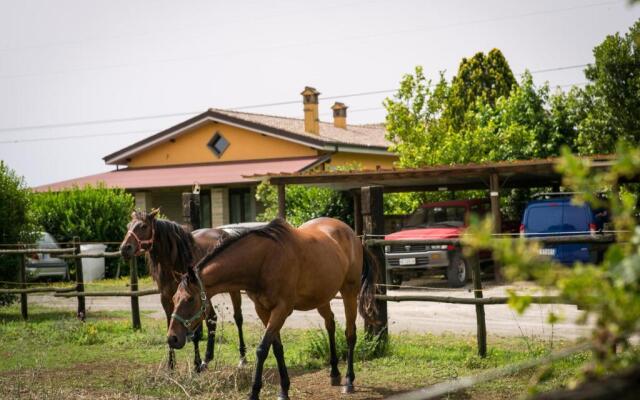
<point>44,266</point>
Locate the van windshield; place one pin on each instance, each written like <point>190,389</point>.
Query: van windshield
<point>437,217</point>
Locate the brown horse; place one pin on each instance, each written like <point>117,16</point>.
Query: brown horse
<point>286,269</point>
<point>170,252</point>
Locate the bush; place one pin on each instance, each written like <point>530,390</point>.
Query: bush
<point>94,214</point>
<point>91,213</point>
<point>305,203</point>
<point>15,222</point>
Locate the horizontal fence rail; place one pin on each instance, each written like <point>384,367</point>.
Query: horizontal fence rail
<point>470,300</point>
<point>75,255</point>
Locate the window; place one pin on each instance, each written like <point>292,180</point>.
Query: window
<point>218,144</point>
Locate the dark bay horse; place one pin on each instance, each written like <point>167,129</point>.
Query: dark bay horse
<point>285,269</point>
<point>170,252</point>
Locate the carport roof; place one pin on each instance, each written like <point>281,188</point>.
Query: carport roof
<point>511,174</point>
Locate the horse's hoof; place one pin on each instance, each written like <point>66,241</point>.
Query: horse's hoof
<point>202,367</point>
<point>283,396</point>
<point>346,389</point>
<point>242,362</point>
<point>336,380</point>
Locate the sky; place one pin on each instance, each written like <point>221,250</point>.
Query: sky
<point>81,79</point>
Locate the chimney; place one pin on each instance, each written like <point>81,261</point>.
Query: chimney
<point>310,102</point>
<point>339,115</point>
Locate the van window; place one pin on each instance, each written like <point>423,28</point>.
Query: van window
<point>576,218</point>
<point>544,219</point>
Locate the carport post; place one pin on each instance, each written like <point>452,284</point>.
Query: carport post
<point>494,194</point>
<point>357,212</point>
<point>373,224</point>
<point>282,210</point>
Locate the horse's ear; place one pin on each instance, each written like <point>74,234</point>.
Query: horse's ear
<point>154,212</point>
<point>177,276</point>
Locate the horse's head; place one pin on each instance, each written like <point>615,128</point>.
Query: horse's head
<point>140,234</point>
<point>189,306</point>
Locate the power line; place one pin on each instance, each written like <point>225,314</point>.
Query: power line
<point>48,139</point>
<point>44,139</point>
<point>299,44</point>
<point>263,105</point>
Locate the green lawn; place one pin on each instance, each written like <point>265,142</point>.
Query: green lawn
<point>55,356</point>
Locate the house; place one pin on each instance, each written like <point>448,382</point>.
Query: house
<point>222,151</point>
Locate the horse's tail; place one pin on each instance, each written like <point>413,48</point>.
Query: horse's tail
<point>366,297</point>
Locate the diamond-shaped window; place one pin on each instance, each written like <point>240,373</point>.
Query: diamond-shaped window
<point>218,144</point>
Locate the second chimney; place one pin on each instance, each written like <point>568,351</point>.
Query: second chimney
<point>339,115</point>
<point>310,102</point>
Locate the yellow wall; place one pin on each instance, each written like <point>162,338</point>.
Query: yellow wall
<point>367,161</point>
<point>191,147</point>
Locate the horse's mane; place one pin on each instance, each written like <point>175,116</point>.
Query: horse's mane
<point>275,230</point>
<point>172,249</point>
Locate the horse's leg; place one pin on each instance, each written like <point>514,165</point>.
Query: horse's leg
<point>330,325</point>
<point>167,305</point>
<point>273,321</point>
<point>197,335</point>
<point>236,300</point>
<point>350,310</point>
<point>278,352</point>
<point>211,319</point>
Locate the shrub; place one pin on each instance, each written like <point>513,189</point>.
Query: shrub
<point>305,203</point>
<point>91,213</point>
<point>15,222</point>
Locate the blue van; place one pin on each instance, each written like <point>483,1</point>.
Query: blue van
<point>556,216</point>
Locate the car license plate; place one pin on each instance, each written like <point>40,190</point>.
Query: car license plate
<point>547,252</point>
<point>407,261</point>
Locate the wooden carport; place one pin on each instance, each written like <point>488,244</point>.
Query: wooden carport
<point>368,186</point>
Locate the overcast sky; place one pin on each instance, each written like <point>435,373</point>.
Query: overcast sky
<point>66,62</point>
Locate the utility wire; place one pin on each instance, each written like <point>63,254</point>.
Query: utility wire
<point>247,107</point>
<point>45,139</point>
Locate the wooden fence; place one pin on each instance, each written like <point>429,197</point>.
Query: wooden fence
<point>478,300</point>
<point>78,290</point>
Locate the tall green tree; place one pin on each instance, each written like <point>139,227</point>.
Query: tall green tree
<point>481,79</point>
<point>611,99</point>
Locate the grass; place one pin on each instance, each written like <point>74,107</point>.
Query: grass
<point>55,356</point>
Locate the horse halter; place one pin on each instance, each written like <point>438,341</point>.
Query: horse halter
<point>198,314</point>
<point>139,249</point>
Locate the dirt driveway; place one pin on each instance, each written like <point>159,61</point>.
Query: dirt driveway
<point>405,316</point>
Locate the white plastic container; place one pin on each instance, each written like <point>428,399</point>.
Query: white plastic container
<point>92,268</point>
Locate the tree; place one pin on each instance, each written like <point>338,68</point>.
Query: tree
<point>611,99</point>
<point>16,224</point>
<point>482,79</point>
<point>608,292</point>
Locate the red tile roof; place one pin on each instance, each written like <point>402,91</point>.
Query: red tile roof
<point>207,174</point>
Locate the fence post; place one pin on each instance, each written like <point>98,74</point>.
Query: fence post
<point>477,292</point>
<point>82,312</point>
<point>373,224</point>
<point>22,271</point>
<point>135,305</point>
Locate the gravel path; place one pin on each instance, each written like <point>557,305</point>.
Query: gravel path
<point>433,318</point>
